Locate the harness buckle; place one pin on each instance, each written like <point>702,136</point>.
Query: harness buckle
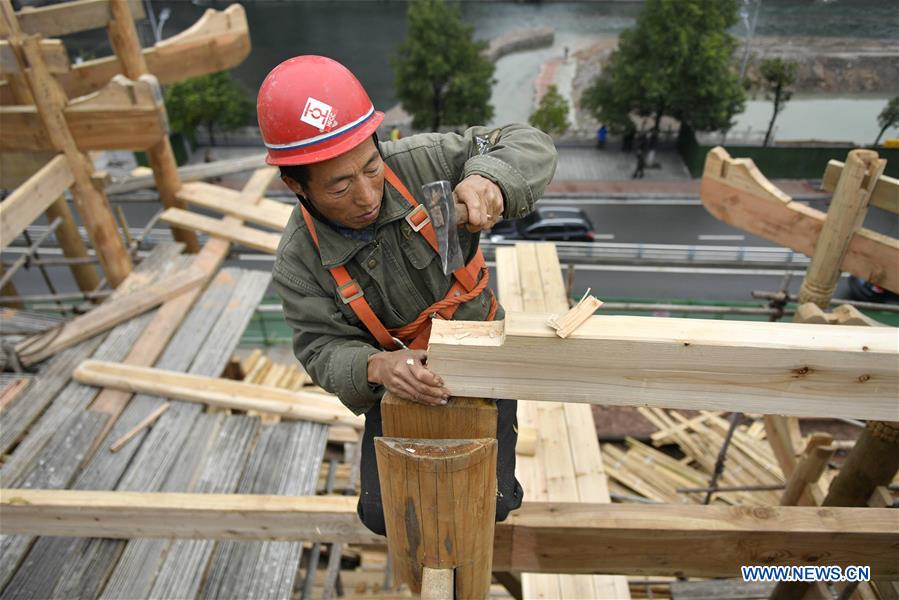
<point>350,291</point>
<point>417,213</point>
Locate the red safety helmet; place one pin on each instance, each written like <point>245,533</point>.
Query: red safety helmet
<point>312,108</point>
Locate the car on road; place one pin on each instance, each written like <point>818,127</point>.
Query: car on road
<point>547,223</point>
<point>860,289</point>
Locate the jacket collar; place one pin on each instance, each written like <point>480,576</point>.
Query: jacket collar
<point>335,249</point>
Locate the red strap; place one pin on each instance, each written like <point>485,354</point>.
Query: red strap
<point>467,276</point>
<point>352,294</point>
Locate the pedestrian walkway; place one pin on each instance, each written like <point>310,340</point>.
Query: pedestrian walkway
<point>577,163</point>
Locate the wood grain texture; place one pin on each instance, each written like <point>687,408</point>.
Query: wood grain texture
<point>768,368</point>
<point>231,231</point>
<point>70,17</point>
<point>461,418</point>
<point>736,192</point>
<point>884,196</point>
<point>439,501</point>
<point>224,393</point>
<point>269,213</point>
<point>29,200</point>
<point>550,537</point>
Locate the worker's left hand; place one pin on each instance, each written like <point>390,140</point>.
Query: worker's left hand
<point>484,200</point>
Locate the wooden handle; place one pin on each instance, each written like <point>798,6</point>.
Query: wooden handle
<point>461,214</point>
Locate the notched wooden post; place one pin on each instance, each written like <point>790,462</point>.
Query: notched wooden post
<point>439,501</point>
<point>438,488</point>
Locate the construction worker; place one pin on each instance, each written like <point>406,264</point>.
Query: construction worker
<point>357,267</point>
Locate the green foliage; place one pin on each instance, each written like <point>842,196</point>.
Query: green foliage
<point>441,77</point>
<point>775,76</point>
<point>214,101</point>
<point>675,61</point>
<point>551,115</point>
<point>888,117</point>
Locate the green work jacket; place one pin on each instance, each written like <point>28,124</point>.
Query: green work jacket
<point>398,271</point>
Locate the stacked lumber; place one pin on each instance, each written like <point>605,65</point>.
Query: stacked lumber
<point>644,471</point>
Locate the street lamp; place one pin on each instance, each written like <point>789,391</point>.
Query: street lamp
<point>163,17</point>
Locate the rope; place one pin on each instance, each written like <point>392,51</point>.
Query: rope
<point>410,329</point>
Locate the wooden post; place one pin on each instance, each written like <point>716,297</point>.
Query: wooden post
<point>817,452</point>
<point>874,460</point>
<point>50,101</point>
<point>125,43</point>
<point>439,506</point>
<point>93,206</point>
<point>440,497</point>
<point>845,215</point>
<point>67,233</point>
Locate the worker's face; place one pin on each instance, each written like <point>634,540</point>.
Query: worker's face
<point>346,189</point>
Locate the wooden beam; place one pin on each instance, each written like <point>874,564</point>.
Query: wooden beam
<point>32,198</point>
<point>70,17</point>
<point>191,173</point>
<point>884,196</point>
<point>92,205</point>
<point>213,391</point>
<point>124,115</point>
<point>634,539</point>
<point>37,348</point>
<point>268,213</point>
<point>219,40</point>
<point>768,368</point>
<point>232,231</point>
<point>736,192</point>
<point>55,56</point>
<point>809,469</point>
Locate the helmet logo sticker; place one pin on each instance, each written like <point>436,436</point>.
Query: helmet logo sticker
<point>319,115</point>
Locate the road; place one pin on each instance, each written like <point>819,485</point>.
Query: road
<point>676,221</point>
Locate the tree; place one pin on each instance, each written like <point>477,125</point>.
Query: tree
<point>888,117</point>
<point>675,61</point>
<point>214,101</point>
<point>441,77</point>
<point>775,77</point>
<point>551,115</point>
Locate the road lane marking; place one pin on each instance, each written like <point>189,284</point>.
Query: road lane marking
<point>720,238</point>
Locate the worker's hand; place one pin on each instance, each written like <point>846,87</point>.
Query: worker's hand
<point>404,374</point>
<point>483,199</point>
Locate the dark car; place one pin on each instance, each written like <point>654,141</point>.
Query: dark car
<point>859,289</point>
<point>548,223</point>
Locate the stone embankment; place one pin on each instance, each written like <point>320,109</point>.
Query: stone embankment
<point>518,41</point>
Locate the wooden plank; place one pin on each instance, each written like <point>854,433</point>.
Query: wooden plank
<point>636,539</point>
<point>109,314</point>
<point>55,56</point>
<point>231,231</point>
<point>285,461</point>
<point>507,282</point>
<point>214,391</point>
<point>736,192</point>
<point>70,17</point>
<point>219,40</point>
<point>767,368</point>
<point>884,196</point>
<point>268,213</point>
<point>191,173</point>
<point>32,198</point>
<point>124,114</point>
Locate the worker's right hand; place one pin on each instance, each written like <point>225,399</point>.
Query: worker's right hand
<point>404,373</point>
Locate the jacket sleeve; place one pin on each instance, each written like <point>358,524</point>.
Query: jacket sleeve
<point>333,352</point>
<point>521,160</point>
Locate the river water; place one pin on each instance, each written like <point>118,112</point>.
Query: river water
<point>365,35</point>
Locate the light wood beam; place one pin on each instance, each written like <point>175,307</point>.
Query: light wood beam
<point>767,368</point>
<point>71,17</point>
<point>737,193</point>
<point>573,538</point>
<point>55,56</point>
<point>268,213</point>
<point>232,230</point>
<point>32,198</point>
<point>884,196</point>
<point>213,391</point>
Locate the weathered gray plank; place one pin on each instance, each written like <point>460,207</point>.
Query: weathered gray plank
<point>50,455</point>
<point>182,572</point>
<point>723,589</point>
<point>136,570</point>
<point>286,461</point>
<point>155,462</point>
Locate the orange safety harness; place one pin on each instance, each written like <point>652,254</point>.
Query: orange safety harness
<point>469,282</point>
